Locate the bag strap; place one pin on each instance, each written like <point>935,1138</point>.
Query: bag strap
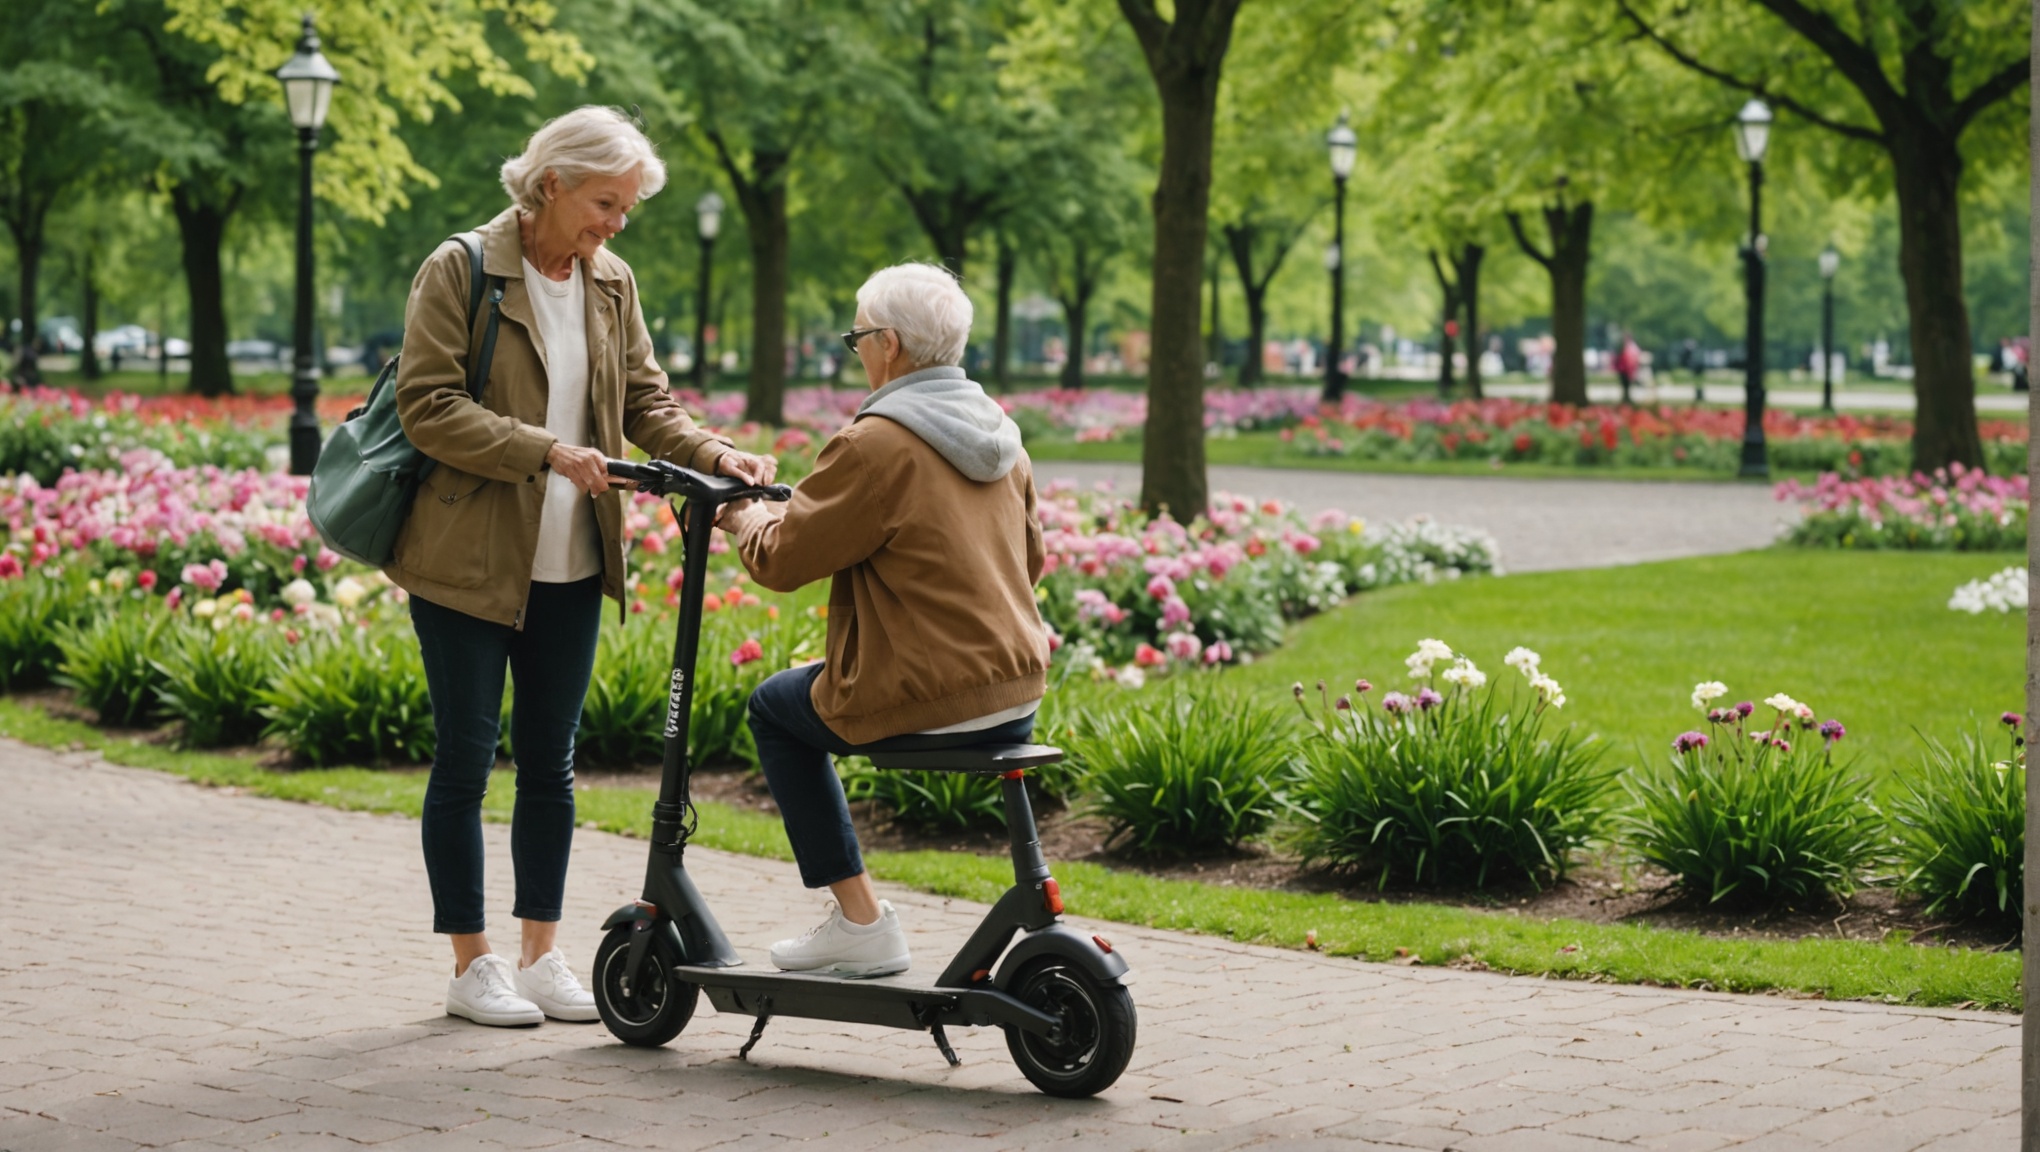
<point>478,372</point>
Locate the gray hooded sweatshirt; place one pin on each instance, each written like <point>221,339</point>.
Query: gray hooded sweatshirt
<point>952,413</point>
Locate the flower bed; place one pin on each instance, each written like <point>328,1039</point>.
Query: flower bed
<point>1119,587</point>
<point>44,430</point>
<point>1956,509</point>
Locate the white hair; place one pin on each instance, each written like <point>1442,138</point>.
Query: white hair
<point>925,306</point>
<point>589,141</point>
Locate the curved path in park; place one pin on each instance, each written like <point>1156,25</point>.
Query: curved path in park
<point>1540,524</point>
<point>190,968</point>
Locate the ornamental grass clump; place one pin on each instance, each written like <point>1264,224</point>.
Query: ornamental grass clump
<point>1755,813</point>
<point>1961,828</point>
<point>212,680</point>
<point>1450,786</point>
<point>111,664</point>
<point>355,696</point>
<point>1197,771</point>
<point>934,801</point>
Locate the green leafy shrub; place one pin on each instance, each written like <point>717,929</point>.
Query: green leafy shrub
<point>33,610</point>
<point>355,697</point>
<point>111,664</point>
<point>1757,814</point>
<point>1459,787</point>
<point>1962,829</point>
<point>213,680</point>
<point>1201,770</point>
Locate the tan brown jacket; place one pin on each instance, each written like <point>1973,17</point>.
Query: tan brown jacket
<point>932,619</point>
<point>473,529</point>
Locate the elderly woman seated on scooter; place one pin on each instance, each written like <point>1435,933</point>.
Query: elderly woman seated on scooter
<point>922,513</point>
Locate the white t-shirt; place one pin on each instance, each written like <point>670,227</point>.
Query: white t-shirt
<point>569,544</point>
<point>1002,716</point>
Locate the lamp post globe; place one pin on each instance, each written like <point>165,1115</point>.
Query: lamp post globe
<point>708,220</point>
<point>308,79</point>
<point>1830,263</point>
<point>1342,147</point>
<point>1752,139</point>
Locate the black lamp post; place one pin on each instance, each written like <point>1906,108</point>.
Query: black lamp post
<point>307,87</point>
<point>708,214</point>
<point>1752,136</point>
<point>1830,263</point>
<point>1343,147</point>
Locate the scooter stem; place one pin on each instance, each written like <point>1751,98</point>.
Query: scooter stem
<point>667,885</point>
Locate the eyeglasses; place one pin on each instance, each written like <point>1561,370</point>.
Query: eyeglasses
<point>851,337</point>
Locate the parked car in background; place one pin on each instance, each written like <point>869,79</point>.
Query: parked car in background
<point>128,340</point>
<point>253,350</point>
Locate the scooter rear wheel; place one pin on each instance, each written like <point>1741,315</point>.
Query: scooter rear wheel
<point>1097,1029</point>
<point>658,1005</point>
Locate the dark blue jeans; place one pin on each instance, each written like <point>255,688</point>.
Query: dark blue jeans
<point>549,662</point>
<point>794,747</point>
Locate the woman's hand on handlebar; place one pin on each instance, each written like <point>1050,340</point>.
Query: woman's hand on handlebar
<point>757,471</point>
<point>588,468</point>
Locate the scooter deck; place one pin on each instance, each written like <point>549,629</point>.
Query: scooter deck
<point>886,1001</point>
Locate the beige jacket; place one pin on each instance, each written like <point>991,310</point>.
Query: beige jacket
<point>473,530</point>
<point>932,619</point>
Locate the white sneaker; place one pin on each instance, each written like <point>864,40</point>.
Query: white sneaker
<point>551,985</point>
<point>846,949</point>
<point>486,994</point>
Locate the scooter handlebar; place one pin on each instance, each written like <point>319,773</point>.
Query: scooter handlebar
<point>661,478</point>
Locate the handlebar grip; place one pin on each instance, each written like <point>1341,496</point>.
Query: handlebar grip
<point>778,493</point>
<point>624,469</point>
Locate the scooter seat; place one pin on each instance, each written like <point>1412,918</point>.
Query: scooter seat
<point>990,759</point>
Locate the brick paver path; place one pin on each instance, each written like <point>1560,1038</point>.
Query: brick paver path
<point>188,968</point>
<point>1540,524</point>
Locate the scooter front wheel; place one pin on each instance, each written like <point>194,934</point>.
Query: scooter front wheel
<point>1096,1038</point>
<point>657,1006</point>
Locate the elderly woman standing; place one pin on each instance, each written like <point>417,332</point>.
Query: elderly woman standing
<point>923,512</point>
<point>518,533</point>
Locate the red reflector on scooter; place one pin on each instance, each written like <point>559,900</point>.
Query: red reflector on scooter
<point>981,975</point>
<point>1015,774</point>
<point>1051,896</point>
<point>1103,943</point>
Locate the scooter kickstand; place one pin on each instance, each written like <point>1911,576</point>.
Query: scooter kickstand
<point>942,1042</point>
<point>757,1029</point>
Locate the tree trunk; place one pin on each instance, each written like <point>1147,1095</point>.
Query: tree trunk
<point>766,400</point>
<point>202,228</point>
<point>1076,308</point>
<point>1929,174</point>
<point>1172,451</point>
<point>88,359</point>
<point>1569,320</point>
<point>761,193</point>
<point>1002,340</point>
<point>1469,300</point>
<point>1449,300</point>
<point>28,247</point>
<point>1214,343</point>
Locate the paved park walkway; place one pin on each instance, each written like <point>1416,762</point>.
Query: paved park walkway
<point>1540,524</point>
<point>192,969</point>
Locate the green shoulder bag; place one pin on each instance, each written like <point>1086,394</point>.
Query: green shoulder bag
<point>369,472</point>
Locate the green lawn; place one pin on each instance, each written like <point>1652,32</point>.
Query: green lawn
<point>1894,972</point>
<point>1865,637</point>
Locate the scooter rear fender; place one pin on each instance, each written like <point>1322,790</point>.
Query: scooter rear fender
<point>1060,939</point>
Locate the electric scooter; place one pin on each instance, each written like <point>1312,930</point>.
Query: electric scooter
<point>1059,994</point>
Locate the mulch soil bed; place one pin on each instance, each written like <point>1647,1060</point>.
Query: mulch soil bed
<point>1599,892</point>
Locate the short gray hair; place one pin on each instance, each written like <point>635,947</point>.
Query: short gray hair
<point>925,306</point>
<point>589,141</point>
